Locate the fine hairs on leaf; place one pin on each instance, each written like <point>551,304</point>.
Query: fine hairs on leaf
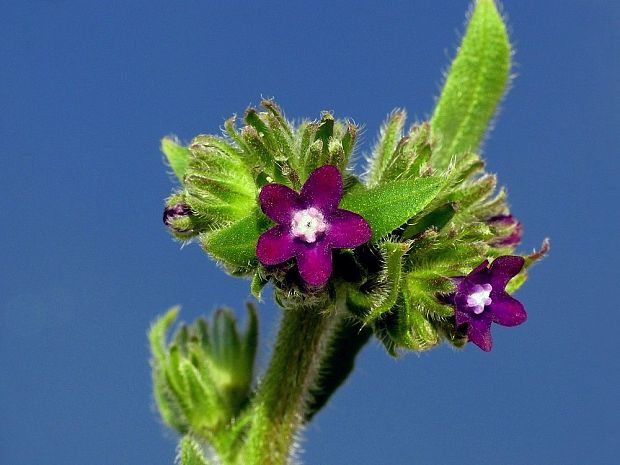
<point>474,85</point>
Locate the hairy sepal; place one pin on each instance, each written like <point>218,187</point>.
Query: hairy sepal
<point>474,85</point>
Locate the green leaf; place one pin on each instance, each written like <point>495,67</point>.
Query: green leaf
<point>258,284</point>
<point>474,85</point>
<point>200,395</point>
<point>190,453</point>
<point>177,155</point>
<point>391,205</point>
<point>436,219</point>
<point>235,245</point>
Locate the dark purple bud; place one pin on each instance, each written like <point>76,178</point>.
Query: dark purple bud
<point>174,212</point>
<point>513,238</point>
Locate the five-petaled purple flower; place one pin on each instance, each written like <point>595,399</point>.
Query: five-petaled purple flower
<point>310,224</point>
<point>481,299</point>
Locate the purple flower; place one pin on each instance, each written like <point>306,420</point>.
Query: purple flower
<point>481,299</point>
<point>309,225</point>
<point>512,239</point>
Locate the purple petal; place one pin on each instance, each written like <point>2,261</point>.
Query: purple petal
<point>479,332</point>
<point>279,202</point>
<point>323,189</point>
<point>503,269</point>
<point>347,230</point>
<point>275,246</point>
<point>480,268</point>
<point>503,219</point>
<point>461,317</point>
<point>506,310</point>
<point>315,263</point>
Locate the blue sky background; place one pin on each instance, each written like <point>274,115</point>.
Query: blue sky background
<point>87,89</point>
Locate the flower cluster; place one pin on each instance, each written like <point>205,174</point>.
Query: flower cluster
<point>417,250</point>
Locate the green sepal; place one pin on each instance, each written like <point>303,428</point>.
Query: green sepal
<point>411,158</point>
<point>342,349</point>
<point>421,289</point>
<point>235,245</point>
<point>170,409</point>
<point>259,281</point>
<point>474,85</point>
<point>324,133</point>
<point>270,135</point>
<point>203,377</point>
<point>384,151</point>
<point>177,156</point>
<point>453,251</point>
<point>515,283</point>
<point>414,331</point>
<point>190,453</point>
<point>381,301</point>
<point>472,192</point>
<point>219,186</point>
<point>348,140</point>
<point>436,219</point>
<point>157,334</point>
<point>409,325</point>
<point>389,206</point>
<point>184,228</point>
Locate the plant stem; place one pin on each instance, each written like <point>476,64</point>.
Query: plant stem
<point>279,406</point>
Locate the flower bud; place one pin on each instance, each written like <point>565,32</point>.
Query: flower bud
<point>175,214</point>
<point>509,230</point>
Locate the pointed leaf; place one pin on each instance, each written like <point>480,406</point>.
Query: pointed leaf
<point>235,245</point>
<point>389,206</point>
<point>157,334</point>
<point>474,85</point>
<point>177,156</point>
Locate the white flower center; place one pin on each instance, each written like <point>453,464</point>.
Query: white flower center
<point>308,224</point>
<point>479,298</point>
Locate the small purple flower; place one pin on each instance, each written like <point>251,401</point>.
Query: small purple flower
<point>175,211</point>
<point>481,299</point>
<point>512,239</point>
<point>309,225</point>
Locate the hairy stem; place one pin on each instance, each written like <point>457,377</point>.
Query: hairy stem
<point>280,403</point>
